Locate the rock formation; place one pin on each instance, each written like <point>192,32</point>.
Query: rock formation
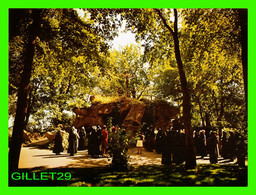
<point>127,113</point>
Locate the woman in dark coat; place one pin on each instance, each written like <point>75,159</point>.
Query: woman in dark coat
<point>213,147</point>
<point>224,145</point>
<point>202,144</point>
<point>72,147</point>
<point>159,142</point>
<point>197,142</point>
<point>166,153</point>
<point>94,142</point>
<point>179,152</point>
<point>82,139</point>
<point>231,146</point>
<point>58,147</point>
<point>90,141</point>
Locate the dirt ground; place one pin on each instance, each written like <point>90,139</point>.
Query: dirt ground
<point>32,157</point>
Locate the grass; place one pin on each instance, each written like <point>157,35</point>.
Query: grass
<point>157,175</point>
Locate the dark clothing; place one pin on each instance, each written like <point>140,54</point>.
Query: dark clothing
<point>179,150</point>
<point>213,148</point>
<point>197,143</point>
<point>147,139</point>
<point>232,146</point>
<point>173,145</point>
<point>224,146</point>
<point>72,148</point>
<point>151,143</point>
<point>166,153</point>
<point>90,141</point>
<point>58,147</point>
<point>159,142</point>
<point>82,140</point>
<point>241,151</point>
<point>94,142</point>
<point>202,145</point>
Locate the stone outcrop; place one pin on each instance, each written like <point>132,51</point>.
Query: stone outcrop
<point>127,113</point>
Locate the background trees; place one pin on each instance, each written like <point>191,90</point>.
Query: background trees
<point>72,59</point>
<point>51,45</point>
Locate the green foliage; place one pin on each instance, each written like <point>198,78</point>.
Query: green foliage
<point>213,64</point>
<point>204,175</point>
<point>118,149</point>
<point>73,61</point>
<point>70,52</point>
<point>211,54</point>
<point>125,70</point>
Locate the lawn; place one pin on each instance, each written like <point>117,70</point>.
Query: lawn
<point>157,175</point>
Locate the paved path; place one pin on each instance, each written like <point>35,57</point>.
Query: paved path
<point>31,157</point>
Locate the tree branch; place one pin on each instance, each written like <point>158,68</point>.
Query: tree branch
<point>165,21</point>
<point>175,21</point>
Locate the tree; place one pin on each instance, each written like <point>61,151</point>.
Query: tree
<point>212,54</point>
<point>243,19</point>
<point>190,149</point>
<point>22,103</point>
<point>53,46</point>
<point>126,71</point>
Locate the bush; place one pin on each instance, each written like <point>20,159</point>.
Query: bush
<point>118,149</point>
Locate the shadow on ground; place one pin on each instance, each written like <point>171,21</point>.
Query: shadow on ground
<point>156,175</point>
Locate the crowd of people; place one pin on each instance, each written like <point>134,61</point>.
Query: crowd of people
<point>228,145</point>
<point>170,143</point>
<point>97,141</point>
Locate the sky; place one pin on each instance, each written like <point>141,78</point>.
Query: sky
<point>123,39</point>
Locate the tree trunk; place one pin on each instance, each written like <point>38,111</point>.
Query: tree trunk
<point>215,103</point>
<point>200,111</point>
<point>22,103</point>
<point>190,148</point>
<point>243,18</point>
<point>221,104</point>
<point>31,102</point>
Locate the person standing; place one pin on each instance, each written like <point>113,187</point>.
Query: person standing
<point>241,150</point>
<point>58,147</point>
<point>179,151</point>
<point>197,142</point>
<point>77,139</point>
<point>231,145</point>
<point>98,141</point>
<point>139,143</point>
<point>82,139</point>
<point>202,144</point>
<point>213,147</point>
<point>159,144</point>
<point>90,143</point>
<point>152,139</point>
<point>72,139</point>
<point>166,153</point>
<point>224,145</point>
<point>93,149</point>
<point>104,140</point>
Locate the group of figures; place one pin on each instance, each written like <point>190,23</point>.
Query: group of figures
<point>226,146</point>
<point>172,145</point>
<point>97,141</point>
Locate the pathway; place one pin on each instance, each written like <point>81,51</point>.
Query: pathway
<point>31,157</point>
